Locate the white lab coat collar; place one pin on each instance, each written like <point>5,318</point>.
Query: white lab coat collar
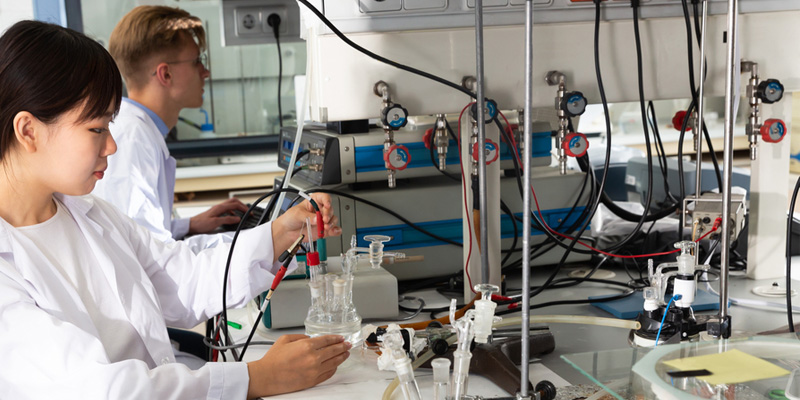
<point>136,112</point>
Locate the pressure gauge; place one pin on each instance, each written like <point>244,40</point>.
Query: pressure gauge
<point>773,130</point>
<point>770,91</point>
<point>492,152</point>
<point>489,114</point>
<point>394,116</point>
<point>573,104</point>
<point>576,144</point>
<point>397,157</point>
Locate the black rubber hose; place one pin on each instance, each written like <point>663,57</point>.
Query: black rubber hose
<point>789,256</point>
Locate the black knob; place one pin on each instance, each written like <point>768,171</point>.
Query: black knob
<point>489,114</point>
<point>439,346</point>
<point>573,104</point>
<point>770,91</point>
<point>546,389</point>
<point>394,116</point>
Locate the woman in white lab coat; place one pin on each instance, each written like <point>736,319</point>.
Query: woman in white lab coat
<point>85,293</point>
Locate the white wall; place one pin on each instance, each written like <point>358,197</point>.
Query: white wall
<point>12,11</point>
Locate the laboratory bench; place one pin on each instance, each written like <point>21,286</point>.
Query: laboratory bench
<point>359,378</point>
<point>219,178</point>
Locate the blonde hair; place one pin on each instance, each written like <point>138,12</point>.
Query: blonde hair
<point>151,30</point>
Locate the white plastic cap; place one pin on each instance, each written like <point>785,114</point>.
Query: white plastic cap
<point>441,370</point>
<point>338,286</point>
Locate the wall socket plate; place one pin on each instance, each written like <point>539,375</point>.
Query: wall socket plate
<point>245,21</point>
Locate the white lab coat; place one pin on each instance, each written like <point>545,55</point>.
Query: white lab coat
<point>50,343</point>
<point>140,179</point>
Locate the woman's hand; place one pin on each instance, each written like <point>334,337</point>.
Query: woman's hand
<point>296,362</point>
<point>289,226</point>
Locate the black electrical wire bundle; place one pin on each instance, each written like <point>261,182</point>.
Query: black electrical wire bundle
<point>640,81</point>
<point>789,256</point>
<point>661,155</point>
<point>224,314</point>
<point>598,188</point>
<point>538,224</point>
<point>602,184</point>
<point>465,91</point>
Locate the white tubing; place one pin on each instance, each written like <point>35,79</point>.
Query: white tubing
<point>572,319</point>
<point>301,119</point>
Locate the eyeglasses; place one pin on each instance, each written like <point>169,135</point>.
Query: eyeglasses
<point>202,59</point>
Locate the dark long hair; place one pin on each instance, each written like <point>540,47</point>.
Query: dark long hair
<point>47,70</point>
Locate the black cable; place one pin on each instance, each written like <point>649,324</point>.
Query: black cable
<point>789,222</point>
<point>275,22</point>
<point>383,59</point>
<point>693,88</point>
<point>640,76</point>
<point>607,159</point>
<point>684,125</point>
<point>623,295</point>
<point>230,255</point>
<point>504,207</point>
<point>388,211</point>
<point>660,153</point>
<point>689,49</point>
<point>538,224</point>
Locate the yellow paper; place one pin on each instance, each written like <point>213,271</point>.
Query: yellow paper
<point>730,367</point>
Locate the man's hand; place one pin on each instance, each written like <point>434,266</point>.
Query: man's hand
<point>296,362</point>
<point>216,216</point>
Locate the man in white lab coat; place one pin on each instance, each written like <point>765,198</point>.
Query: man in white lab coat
<point>159,51</point>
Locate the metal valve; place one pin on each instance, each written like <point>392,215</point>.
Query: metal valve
<point>773,130</point>
<point>576,144</point>
<point>769,91</point>
<point>489,113</point>
<point>394,116</point>
<point>573,104</point>
<point>397,157</point>
<point>492,151</point>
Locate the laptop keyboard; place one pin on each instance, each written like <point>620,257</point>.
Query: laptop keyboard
<point>249,222</point>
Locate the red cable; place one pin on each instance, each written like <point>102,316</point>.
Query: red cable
<point>538,209</point>
<point>716,223</point>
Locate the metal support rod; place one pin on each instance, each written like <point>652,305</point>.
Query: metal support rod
<point>701,104</point>
<point>482,140</point>
<point>730,118</point>
<point>526,200</point>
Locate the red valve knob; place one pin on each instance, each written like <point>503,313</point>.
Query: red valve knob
<point>677,121</point>
<point>773,130</point>
<point>575,144</point>
<point>426,138</point>
<point>492,152</point>
<point>397,157</point>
